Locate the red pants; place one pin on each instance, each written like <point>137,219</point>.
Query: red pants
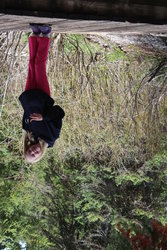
<point>37,78</point>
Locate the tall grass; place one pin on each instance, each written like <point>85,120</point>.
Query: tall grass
<point>115,109</point>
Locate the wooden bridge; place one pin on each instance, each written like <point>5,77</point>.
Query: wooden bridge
<point>86,16</point>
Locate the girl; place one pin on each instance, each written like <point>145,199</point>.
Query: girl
<point>42,121</point>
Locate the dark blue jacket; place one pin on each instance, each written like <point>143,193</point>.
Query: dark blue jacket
<point>36,101</point>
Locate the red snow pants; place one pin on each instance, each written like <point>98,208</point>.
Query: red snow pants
<point>37,78</point>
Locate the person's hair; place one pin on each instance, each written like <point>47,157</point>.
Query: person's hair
<point>28,140</point>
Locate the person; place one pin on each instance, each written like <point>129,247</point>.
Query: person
<point>42,120</point>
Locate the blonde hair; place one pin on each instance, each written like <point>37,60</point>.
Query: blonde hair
<point>28,140</point>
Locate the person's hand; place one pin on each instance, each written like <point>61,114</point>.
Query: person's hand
<point>36,117</point>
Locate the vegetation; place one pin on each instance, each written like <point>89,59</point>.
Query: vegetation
<point>105,178</point>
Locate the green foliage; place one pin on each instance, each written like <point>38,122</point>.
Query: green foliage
<point>80,44</point>
<point>159,162</point>
<point>24,37</point>
<point>118,241</point>
<point>136,179</point>
<point>116,54</point>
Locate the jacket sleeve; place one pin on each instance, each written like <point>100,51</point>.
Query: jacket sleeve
<point>23,123</point>
<point>55,114</point>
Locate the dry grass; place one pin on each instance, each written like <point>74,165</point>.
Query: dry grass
<point>115,102</point>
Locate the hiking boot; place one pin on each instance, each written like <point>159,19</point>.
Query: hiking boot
<point>35,28</point>
<point>45,29</point>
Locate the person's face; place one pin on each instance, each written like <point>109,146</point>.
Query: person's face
<point>33,152</point>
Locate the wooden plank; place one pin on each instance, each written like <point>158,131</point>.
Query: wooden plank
<point>150,11</point>
<point>21,23</point>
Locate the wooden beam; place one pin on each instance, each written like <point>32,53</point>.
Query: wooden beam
<point>59,25</point>
<point>149,11</point>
